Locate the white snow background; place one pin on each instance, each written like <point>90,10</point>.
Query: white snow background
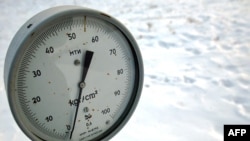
<point>196,57</point>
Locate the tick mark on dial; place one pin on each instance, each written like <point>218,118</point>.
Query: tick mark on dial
<point>84,23</point>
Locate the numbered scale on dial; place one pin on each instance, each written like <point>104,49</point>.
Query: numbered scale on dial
<point>73,74</point>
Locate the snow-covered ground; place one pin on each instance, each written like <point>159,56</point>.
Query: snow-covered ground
<point>196,57</point>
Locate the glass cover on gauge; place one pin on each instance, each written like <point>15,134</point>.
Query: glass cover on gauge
<point>76,75</point>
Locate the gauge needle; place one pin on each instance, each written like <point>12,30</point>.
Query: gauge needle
<point>87,61</point>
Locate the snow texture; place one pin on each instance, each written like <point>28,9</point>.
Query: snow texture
<point>196,57</point>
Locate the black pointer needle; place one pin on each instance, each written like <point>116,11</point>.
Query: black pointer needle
<point>87,61</point>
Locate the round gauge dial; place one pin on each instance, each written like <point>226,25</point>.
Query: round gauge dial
<point>73,74</point>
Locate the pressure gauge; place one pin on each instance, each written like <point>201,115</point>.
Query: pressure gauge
<point>72,74</point>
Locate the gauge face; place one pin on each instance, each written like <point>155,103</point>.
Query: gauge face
<point>75,77</point>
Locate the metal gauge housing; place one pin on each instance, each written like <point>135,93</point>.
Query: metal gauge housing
<point>72,73</point>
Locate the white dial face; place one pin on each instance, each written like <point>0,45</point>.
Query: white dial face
<point>74,79</point>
